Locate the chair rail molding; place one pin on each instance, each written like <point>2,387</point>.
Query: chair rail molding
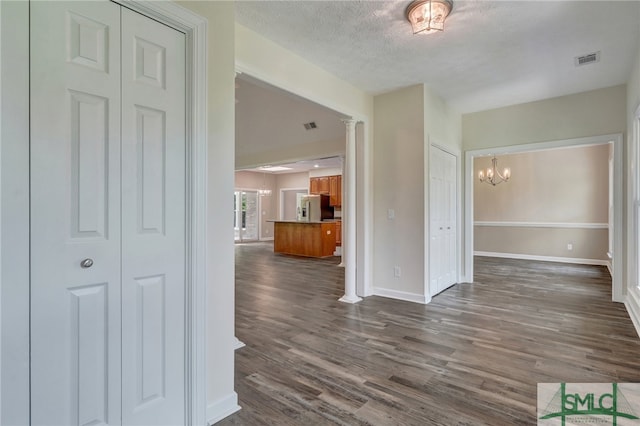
<point>565,225</point>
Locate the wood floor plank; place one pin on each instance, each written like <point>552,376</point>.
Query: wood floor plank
<point>473,356</point>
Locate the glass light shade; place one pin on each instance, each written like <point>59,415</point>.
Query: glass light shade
<point>428,16</point>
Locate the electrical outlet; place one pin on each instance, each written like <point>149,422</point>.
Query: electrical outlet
<point>391,214</point>
<point>396,271</point>
<point>569,246</point>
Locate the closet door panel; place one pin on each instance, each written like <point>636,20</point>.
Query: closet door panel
<point>75,213</point>
<point>153,222</point>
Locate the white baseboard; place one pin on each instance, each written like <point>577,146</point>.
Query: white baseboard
<point>632,303</point>
<point>401,295</point>
<point>238,344</point>
<point>581,261</point>
<point>222,408</point>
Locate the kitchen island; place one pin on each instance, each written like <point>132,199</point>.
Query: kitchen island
<point>311,239</point>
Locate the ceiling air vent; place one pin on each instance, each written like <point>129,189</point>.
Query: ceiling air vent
<point>590,58</point>
<point>311,125</point>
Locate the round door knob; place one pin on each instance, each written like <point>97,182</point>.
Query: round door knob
<point>87,263</point>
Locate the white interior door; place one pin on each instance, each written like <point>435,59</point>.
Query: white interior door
<point>107,218</point>
<point>75,213</point>
<point>442,214</point>
<point>153,222</point>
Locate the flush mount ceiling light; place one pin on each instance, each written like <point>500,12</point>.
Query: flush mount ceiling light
<point>274,168</point>
<point>492,175</point>
<point>427,16</point>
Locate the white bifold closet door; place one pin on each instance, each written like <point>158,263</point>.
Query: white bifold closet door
<point>442,217</point>
<point>107,217</point>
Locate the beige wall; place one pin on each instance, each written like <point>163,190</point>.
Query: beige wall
<point>593,113</point>
<point>268,203</point>
<point>290,181</point>
<point>559,185</point>
<point>220,183</point>
<point>403,122</point>
<point>566,188</point>
<point>598,112</point>
<point>589,245</point>
<point>398,183</point>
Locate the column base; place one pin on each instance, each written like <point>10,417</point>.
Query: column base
<point>350,299</point>
<point>341,264</point>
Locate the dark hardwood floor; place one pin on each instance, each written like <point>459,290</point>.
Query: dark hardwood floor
<point>472,356</point>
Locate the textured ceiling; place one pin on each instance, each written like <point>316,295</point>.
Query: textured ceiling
<point>491,54</point>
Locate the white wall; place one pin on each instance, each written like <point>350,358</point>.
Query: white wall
<point>14,223</point>
<point>443,124</point>
<point>325,172</point>
<point>221,398</point>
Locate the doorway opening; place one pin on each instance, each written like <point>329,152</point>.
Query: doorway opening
<point>607,223</point>
<point>246,223</point>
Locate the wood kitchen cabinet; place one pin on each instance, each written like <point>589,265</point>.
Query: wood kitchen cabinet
<point>323,185</point>
<point>335,191</point>
<point>311,239</point>
<point>338,233</point>
<point>319,185</point>
<point>327,185</point>
<point>313,186</point>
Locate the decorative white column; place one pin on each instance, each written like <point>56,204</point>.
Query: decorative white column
<point>349,215</point>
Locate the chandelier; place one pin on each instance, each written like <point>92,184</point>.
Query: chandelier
<point>427,16</point>
<point>264,191</point>
<point>492,175</point>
